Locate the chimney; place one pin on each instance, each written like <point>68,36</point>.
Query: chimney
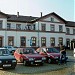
<point>17,14</point>
<point>41,14</point>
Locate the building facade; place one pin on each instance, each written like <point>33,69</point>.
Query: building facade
<point>27,31</point>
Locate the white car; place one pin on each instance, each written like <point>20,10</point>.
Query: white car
<point>10,48</point>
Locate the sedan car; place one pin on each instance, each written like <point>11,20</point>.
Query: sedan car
<point>51,54</point>
<point>29,56</point>
<point>7,60</point>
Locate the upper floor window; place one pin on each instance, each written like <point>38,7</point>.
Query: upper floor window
<point>73,31</point>
<point>52,27</point>
<point>34,27</point>
<point>33,41</point>
<point>29,27</point>
<point>52,19</point>
<point>43,27</point>
<point>18,26</point>
<point>60,28</point>
<point>1,22</point>
<point>8,25</point>
<point>67,30</point>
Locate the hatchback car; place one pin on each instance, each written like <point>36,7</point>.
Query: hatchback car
<point>51,54</point>
<point>10,48</point>
<point>7,60</point>
<point>29,56</point>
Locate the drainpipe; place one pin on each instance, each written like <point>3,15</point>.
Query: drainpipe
<point>38,34</point>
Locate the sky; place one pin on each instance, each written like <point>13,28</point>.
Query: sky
<point>64,8</point>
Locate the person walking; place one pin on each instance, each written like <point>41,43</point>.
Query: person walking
<point>62,54</point>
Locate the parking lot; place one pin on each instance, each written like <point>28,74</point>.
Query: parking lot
<point>46,69</point>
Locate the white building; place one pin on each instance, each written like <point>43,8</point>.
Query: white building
<point>26,31</point>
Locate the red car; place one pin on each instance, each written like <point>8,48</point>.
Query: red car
<point>51,54</point>
<point>29,56</point>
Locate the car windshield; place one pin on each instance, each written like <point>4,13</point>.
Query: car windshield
<point>29,51</point>
<point>4,52</point>
<point>52,50</point>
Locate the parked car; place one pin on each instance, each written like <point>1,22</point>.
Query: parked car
<point>29,56</point>
<point>51,54</point>
<point>10,48</point>
<point>7,60</point>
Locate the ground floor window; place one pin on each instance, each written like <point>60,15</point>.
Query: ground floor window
<point>23,41</point>
<point>33,41</point>
<point>1,39</point>
<point>68,42</point>
<point>11,40</point>
<point>52,40</point>
<point>61,40</point>
<point>43,41</point>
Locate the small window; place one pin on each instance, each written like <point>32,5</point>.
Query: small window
<point>1,22</point>
<point>43,27</point>
<point>52,19</point>
<point>60,28</point>
<point>8,25</point>
<point>18,26</point>
<point>74,31</point>
<point>29,27</point>
<point>67,30</point>
<point>52,27</point>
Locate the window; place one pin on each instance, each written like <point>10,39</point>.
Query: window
<point>33,39</point>
<point>34,27</point>
<point>52,27</point>
<point>43,27</point>
<point>1,22</point>
<point>11,41</point>
<point>61,40</point>
<point>67,30</point>
<point>43,41</point>
<point>52,40</point>
<point>52,19</point>
<point>60,28</point>
<point>18,26</point>
<point>73,31</point>
<point>68,42</point>
<point>8,25</point>
<point>23,41</point>
<point>29,27</point>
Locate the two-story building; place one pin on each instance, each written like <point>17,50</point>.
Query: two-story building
<point>26,31</point>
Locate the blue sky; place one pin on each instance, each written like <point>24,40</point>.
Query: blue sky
<point>64,8</point>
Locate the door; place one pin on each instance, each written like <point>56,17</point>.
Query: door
<point>1,41</point>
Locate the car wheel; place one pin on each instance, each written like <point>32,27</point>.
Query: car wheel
<point>24,63</point>
<point>49,60</point>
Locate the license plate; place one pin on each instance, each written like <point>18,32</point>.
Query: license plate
<point>6,65</point>
<point>38,61</point>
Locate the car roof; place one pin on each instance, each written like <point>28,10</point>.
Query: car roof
<point>2,48</point>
